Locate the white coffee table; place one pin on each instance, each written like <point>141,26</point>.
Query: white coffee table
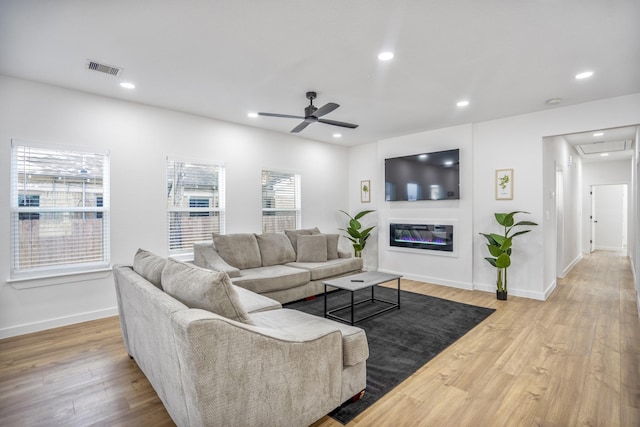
<point>355,283</point>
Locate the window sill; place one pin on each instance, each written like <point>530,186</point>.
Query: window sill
<point>29,282</point>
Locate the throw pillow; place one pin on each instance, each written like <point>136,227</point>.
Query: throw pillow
<point>275,249</point>
<point>209,290</point>
<point>312,248</point>
<point>149,266</point>
<point>332,245</point>
<point>293,235</point>
<point>238,250</point>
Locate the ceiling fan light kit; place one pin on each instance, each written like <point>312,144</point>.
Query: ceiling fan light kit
<point>312,114</point>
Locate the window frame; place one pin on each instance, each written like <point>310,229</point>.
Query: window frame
<point>186,254</point>
<point>19,211</point>
<point>297,191</point>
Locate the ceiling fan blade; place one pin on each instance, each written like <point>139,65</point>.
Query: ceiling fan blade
<point>326,109</point>
<point>286,116</point>
<point>300,127</point>
<point>336,123</point>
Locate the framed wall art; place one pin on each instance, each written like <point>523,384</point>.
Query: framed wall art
<point>504,184</point>
<point>365,191</point>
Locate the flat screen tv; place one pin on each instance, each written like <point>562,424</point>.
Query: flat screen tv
<point>424,176</point>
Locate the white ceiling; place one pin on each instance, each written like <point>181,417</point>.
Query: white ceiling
<point>616,143</point>
<point>223,58</point>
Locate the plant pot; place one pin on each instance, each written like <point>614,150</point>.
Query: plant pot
<point>501,295</point>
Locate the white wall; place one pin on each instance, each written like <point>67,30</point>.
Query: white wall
<point>517,142</point>
<point>140,138</point>
<point>561,156</point>
<point>429,266</point>
<point>513,142</point>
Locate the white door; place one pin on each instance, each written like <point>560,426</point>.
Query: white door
<point>609,217</point>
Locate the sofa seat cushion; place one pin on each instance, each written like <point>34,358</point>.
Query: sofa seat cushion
<point>355,348</point>
<point>254,303</point>
<point>329,268</point>
<point>208,290</point>
<point>272,278</point>
<point>240,250</point>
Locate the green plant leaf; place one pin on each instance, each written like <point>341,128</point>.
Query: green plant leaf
<point>525,223</point>
<point>500,217</point>
<point>363,213</point>
<point>506,244</point>
<point>519,233</point>
<point>503,261</point>
<point>498,239</point>
<point>495,250</point>
<point>490,239</point>
<point>492,261</point>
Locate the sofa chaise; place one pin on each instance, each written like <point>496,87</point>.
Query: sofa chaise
<point>221,355</point>
<point>285,266</point>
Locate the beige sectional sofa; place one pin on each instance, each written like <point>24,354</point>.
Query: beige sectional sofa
<point>284,266</point>
<point>221,355</point>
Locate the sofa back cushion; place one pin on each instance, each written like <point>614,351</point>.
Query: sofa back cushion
<point>239,250</point>
<point>332,246</point>
<point>275,249</point>
<point>149,266</point>
<point>312,248</point>
<point>293,235</point>
<point>209,290</point>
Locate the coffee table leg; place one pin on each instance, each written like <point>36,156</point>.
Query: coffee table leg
<point>372,298</point>
<point>325,300</point>
<point>398,293</point>
<point>353,307</point>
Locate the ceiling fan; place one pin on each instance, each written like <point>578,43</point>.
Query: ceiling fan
<point>312,114</point>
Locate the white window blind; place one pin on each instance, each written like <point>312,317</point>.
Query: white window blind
<point>280,201</point>
<point>59,210</point>
<point>195,203</point>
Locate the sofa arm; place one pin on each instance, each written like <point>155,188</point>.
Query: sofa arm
<point>235,374</point>
<point>206,256</point>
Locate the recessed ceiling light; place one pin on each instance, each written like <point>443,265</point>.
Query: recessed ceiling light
<point>462,103</point>
<point>584,75</point>
<point>604,154</point>
<point>337,135</point>
<point>423,156</point>
<point>252,115</point>
<point>598,134</point>
<point>554,101</point>
<point>448,163</point>
<point>127,85</point>
<point>385,56</point>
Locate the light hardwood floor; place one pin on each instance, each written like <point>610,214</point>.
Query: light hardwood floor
<point>573,360</point>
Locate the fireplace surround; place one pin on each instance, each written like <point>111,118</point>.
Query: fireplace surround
<point>431,237</point>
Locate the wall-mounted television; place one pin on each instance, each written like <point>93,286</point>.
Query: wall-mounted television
<point>423,176</point>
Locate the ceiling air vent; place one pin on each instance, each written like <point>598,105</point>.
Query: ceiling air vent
<point>103,68</point>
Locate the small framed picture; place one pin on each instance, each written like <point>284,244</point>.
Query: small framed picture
<point>504,184</point>
<point>365,191</point>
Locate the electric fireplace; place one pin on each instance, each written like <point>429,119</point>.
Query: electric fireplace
<point>433,237</point>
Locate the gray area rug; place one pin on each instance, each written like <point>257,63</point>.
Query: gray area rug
<point>400,341</point>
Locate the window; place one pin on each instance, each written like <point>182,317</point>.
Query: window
<point>57,226</point>
<point>280,201</point>
<point>195,203</point>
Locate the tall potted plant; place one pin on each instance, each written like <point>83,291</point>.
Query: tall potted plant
<point>356,234</point>
<point>499,246</point>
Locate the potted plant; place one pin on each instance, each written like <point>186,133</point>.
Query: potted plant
<point>356,234</point>
<point>500,247</point>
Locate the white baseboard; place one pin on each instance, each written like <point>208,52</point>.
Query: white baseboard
<point>432,280</point>
<point>568,269</point>
<point>512,291</point>
<point>28,328</point>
